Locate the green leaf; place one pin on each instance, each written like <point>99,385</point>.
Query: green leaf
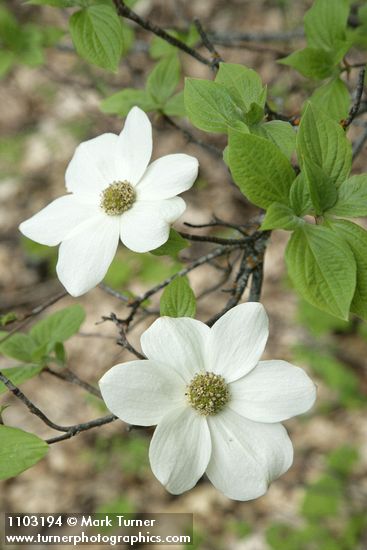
<point>352,197</point>
<point>173,246</point>
<point>175,106</point>
<point>299,196</point>
<point>120,103</point>
<point>260,169</point>
<point>59,326</point>
<point>19,374</point>
<point>322,190</point>
<point>326,22</point>
<point>209,106</point>
<point>19,346</point>
<point>97,35</point>
<point>280,216</point>
<point>280,133</point>
<point>178,299</point>
<point>19,451</point>
<point>312,62</point>
<point>243,84</point>
<point>323,141</point>
<point>322,268</point>
<point>356,237</point>
<point>332,98</point>
<point>164,78</point>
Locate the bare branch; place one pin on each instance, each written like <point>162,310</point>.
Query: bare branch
<point>124,11</point>
<point>357,101</point>
<point>78,428</point>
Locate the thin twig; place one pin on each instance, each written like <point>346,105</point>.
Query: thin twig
<point>124,11</point>
<point>357,101</point>
<point>69,376</point>
<point>215,151</point>
<point>122,340</point>
<point>78,428</point>
<point>217,252</point>
<point>216,240</point>
<point>216,58</point>
<point>26,317</point>
<point>30,406</point>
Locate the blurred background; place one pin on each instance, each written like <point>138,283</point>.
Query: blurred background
<point>49,102</point>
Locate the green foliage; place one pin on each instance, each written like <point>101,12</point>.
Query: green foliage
<point>163,80</point>
<point>263,183</point>
<point>23,43</point>
<point>335,374</point>
<point>160,48</point>
<point>327,42</point>
<point>145,268</point>
<point>280,133</point>
<point>97,35</point>
<point>44,339</point>
<point>323,192</point>
<point>319,322</point>
<point>342,460</point>
<point>322,141</point>
<point>158,95</point>
<point>280,216</point>
<point>352,198</point>
<point>330,521</point>
<point>178,299</point>
<point>332,98</point>
<point>173,246</point>
<point>322,268</point>
<point>210,106</point>
<point>356,237</point>
<point>19,451</point>
<point>18,375</point>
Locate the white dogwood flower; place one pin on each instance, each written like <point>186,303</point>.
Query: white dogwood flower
<point>217,407</point>
<point>113,194</point>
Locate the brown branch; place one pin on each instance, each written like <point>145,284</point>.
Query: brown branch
<point>212,149</point>
<point>357,101</point>
<point>26,317</point>
<point>122,340</point>
<point>84,426</point>
<point>216,58</point>
<point>69,376</point>
<point>124,11</point>
<point>30,406</point>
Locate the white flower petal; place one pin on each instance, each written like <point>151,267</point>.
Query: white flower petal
<point>167,177</point>
<point>246,456</point>
<point>273,391</point>
<point>134,147</point>
<point>53,223</point>
<point>238,340</point>
<point>93,166</point>
<point>146,225</point>
<point>180,450</point>
<point>142,392</point>
<point>177,342</point>
<point>85,256</point>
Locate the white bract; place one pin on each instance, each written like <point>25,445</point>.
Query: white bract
<point>113,194</point>
<point>217,407</point>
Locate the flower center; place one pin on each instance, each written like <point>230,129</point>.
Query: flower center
<point>117,198</point>
<point>208,393</point>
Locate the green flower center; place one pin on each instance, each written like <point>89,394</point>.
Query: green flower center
<point>208,393</point>
<point>117,198</point>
